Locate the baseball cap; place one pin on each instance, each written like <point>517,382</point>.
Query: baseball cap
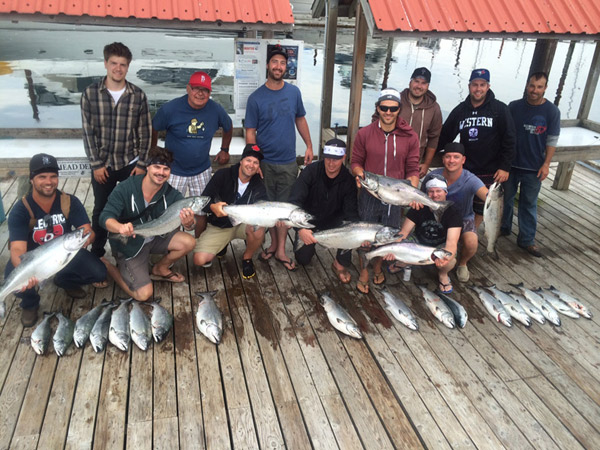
<point>277,50</point>
<point>422,72</point>
<point>437,181</point>
<point>453,147</point>
<point>334,149</point>
<point>480,74</point>
<point>389,94</point>
<point>41,163</point>
<point>200,79</point>
<point>252,150</point>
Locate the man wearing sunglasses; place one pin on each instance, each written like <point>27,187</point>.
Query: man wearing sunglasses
<point>191,122</point>
<point>389,147</point>
<point>41,216</point>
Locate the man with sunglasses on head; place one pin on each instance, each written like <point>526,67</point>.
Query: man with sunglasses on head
<point>40,216</point>
<point>389,147</point>
<point>137,200</point>
<point>191,122</point>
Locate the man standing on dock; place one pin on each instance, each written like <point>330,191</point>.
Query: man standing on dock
<point>487,132</point>
<point>273,113</point>
<point>116,131</point>
<point>538,126</point>
<point>418,106</point>
<point>191,122</point>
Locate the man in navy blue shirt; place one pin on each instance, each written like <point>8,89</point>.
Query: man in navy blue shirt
<point>538,126</point>
<point>45,208</point>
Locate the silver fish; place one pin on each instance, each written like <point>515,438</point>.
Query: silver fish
<point>438,308</point>
<point>399,310</point>
<point>99,333</point>
<point>410,253</point>
<point>492,214</point>
<point>339,317</point>
<point>547,310</point>
<point>458,311</point>
<point>118,332</point>
<point>168,220</point>
<point>161,321</point>
<point>572,302</point>
<point>511,305</point>
<point>267,214</point>
<point>63,336</point>
<point>557,303</point>
<point>209,318</point>
<point>529,308</point>
<point>85,323</point>
<point>43,262</point>
<point>397,192</point>
<point>141,329</point>
<point>40,338</point>
<point>493,306</point>
<point>352,235</point>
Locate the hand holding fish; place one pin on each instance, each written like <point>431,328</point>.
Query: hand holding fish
<point>501,176</point>
<point>217,209</point>
<point>187,218</point>
<point>442,261</point>
<point>307,236</point>
<point>33,281</point>
<point>125,229</point>
<point>415,205</point>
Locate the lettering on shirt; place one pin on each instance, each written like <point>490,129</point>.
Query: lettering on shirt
<point>470,122</point>
<point>48,228</point>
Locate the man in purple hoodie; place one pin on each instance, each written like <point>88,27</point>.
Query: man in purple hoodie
<point>389,147</point>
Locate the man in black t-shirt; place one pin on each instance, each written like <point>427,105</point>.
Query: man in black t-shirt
<point>430,232</point>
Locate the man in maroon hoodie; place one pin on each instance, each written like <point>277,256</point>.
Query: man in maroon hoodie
<point>388,147</point>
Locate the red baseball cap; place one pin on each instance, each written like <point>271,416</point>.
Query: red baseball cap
<point>200,79</point>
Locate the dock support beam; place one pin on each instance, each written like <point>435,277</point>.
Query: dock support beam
<point>328,72</point>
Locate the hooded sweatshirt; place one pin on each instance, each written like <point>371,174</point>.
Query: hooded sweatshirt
<point>394,154</point>
<point>424,118</point>
<point>487,132</point>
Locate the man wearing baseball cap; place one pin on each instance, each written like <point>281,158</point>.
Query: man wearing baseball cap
<point>327,190</point>
<point>463,187</point>
<point>389,147</point>
<point>418,106</point>
<point>191,122</point>
<point>486,130</point>
<point>40,216</point>
<point>239,184</point>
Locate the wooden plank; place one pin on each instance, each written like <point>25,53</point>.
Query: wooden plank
<point>563,176</point>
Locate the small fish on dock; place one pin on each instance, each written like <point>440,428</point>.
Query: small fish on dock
<point>339,317</point>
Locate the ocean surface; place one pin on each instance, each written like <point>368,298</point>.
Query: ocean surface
<point>53,63</point>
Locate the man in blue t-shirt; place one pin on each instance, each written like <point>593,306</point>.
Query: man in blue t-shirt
<point>273,112</point>
<point>191,121</point>
<point>45,205</point>
<point>463,186</point>
<point>538,126</point>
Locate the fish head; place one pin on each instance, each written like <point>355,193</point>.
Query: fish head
<point>198,203</point>
<point>412,324</point>
<point>441,253</point>
<point>158,333</point>
<point>59,347</point>
<point>496,191</point>
<point>325,300</point>
<point>370,181</point>
<point>38,346</point>
<point>98,342</point>
<point>301,218</point>
<point>140,340</point>
<point>386,235</point>
<point>353,331</point>
<point>448,320</point>
<point>79,338</point>
<point>74,241</point>
<point>214,333</point>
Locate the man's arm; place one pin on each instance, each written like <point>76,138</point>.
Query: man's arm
<point>154,140</point>
<point>427,158</point>
<point>508,149</point>
<point>452,237</point>
<point>144,132</point>
<point>482,193</point>
<point>545,169</point>
<point>223,155</point>
<point>250,135</point>
<point>304,131</point>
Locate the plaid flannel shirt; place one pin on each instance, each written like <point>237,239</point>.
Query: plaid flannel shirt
<point>114,135</point>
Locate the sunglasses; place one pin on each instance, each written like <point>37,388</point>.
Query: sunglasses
<point>389,108</point>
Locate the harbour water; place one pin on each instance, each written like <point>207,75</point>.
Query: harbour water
<point>57,62</point>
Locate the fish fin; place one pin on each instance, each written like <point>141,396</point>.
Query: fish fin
<point>516,285</point>
<point>234,222</point>
<point>423,261</point>
<point>26,257</point>
<point>437,214</point>
<point>118,237</point>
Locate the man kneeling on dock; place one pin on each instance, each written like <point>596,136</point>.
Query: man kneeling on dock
<point>136,200</point>
<point>239,184</point>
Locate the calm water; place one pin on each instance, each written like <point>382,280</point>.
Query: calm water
<point>62,60</point>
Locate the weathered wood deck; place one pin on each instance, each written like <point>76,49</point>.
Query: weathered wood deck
<point>283,377</point>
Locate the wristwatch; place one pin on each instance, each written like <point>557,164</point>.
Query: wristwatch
<point>225,149</point>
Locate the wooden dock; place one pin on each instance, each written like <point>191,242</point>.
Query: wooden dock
<point>282,377</point>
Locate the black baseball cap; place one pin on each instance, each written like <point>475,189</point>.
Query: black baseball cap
<point>422,72</point>
<point>453,147</point>
<point>42,163</point>
<point>277,50</point>
<point>252,150</point>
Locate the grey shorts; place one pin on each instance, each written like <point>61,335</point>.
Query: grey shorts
<point>135,271</point>
<point>371,209</point>
<point>469,225</point>
<point>279,179</point>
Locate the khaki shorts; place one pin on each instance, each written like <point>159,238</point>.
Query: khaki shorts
<point>214,239</point>
<point>279,179</point>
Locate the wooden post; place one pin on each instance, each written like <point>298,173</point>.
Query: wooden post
<point>328,70</point>
<point>543,55</point>
<point>358,69</point>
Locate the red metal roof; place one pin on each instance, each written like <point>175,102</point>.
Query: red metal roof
<point>227,11</point>
<point>485,16</point>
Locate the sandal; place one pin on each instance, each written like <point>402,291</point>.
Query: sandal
<point>362,286</point>
<point>396,267</point>
<point>265,255</point>
<point>342,274</point>
<point>287,263</point>
<point>100,284</point>
<point>379,278</point>
<point>446,288</point>
<point>170,277</point>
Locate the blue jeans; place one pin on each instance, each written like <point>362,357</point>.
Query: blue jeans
<point>84,268</point>
<point>528,195</point>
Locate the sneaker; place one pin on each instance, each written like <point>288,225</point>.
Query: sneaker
<point>208,264</point>
<point>222,252</point>
<point>247,269</point>
<point>532,249</point>
<point>76,293</point>
<point>462,273</point>
<point>29,317</point>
